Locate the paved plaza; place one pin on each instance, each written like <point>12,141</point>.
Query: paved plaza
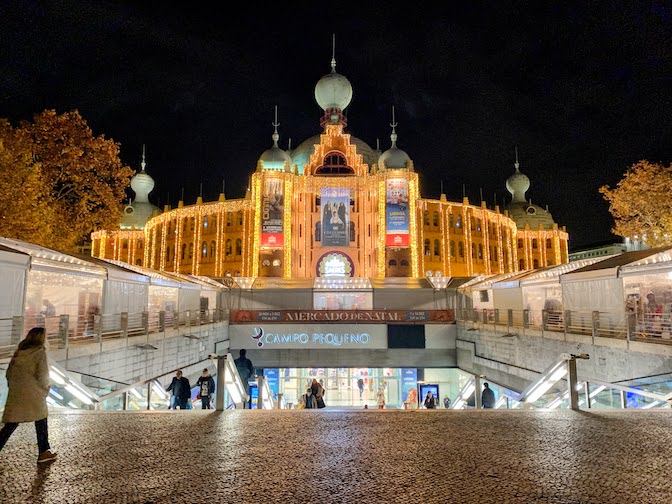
<point>361,456</point>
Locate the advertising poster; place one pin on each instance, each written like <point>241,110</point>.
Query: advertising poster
<point>272,375</point>
<point>272,206</point>
<point>335,204</point>
<point>396,213</point>
<point>409,386</point>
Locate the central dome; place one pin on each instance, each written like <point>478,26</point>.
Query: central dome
<point>333,91</point>
<point>302,153</point>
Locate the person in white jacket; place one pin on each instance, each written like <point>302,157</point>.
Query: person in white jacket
<point>28,382</point>
<point>380,398</point>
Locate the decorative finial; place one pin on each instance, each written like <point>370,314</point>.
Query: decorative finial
<point>182,194</point>
<point>393,136</point>
<point>143,164</point>
<point>333,53</point>
<point>377,143</point>
<point>442,187</point>
<point>275,135</point>
<point>289,144</point>
<point>517,164</point>
<point>201,191</point>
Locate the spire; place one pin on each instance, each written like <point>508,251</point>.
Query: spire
<point>333,53</point>
<point>393,136</point>
<point>517,164</point>
<point>275,124</point>
<point>143,163</point>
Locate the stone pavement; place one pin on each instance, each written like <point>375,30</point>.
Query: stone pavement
<point>324,456</point>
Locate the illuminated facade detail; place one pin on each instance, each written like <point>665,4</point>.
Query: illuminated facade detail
<point>334,197</point>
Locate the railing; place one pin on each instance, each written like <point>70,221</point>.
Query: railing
<point>623,326</point>
<point>64,330</point>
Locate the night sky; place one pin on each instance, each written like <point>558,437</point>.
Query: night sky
<point>583,89</point>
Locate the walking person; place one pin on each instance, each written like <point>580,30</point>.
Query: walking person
<point>308,400</point>
<point>181,390</point>
<point>246,371</point>
<point>430,401</point>
<point>28,382</point>
<point>360,386</point>
<point>380,398</point>
<point>318,391</point>
<point>488,396</point>
<point>206,388</point>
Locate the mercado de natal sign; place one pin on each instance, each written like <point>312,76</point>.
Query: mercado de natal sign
<point>309,336</point>
<point>341,316</point>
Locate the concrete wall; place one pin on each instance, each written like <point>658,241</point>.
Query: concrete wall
<point>133,361</point>
<point>515,359</point>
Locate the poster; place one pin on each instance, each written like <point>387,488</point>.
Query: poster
<point>272,206</point>
<point>396,213</point>
<point>272,378</point>
<point>409,386</point>
<point>335,204</point>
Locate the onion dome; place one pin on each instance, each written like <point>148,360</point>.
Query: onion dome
<point>274,159</point>
<point>524,213</point>
<point>394,158</point>
<point>140,210</point>
<point>333,93</point>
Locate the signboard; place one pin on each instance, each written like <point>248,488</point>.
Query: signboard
<point>341,316</point>
<point>271,375</point>
<point>335,264</point>
<point>272,206</point>
<point>335,203</point>
<point>396,213</point>
<point>308,336</point>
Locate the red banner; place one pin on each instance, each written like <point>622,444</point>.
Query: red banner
<point>343,316</point>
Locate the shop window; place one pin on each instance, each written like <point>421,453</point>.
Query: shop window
<point>435,219</point>
<point>437,249</point>
<point>425,218</point>
<point>460,249</point>
<point>239,246</point>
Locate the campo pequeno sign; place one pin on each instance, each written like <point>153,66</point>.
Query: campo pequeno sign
<point>314,336</point>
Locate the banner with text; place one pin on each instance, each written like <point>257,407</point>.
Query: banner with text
<point>341,316</point>
<point>335,216</point>
<point>272,206</point>
<point>396,213</point>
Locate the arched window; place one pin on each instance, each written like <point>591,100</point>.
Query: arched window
<point>167,254</point>
<point>450,220</point>
<point>534,243</point>
<point>435,219</point>
<point>520,243</point>
<point>460,249</point>
<point>458,222</point>
<point>239,217</point>
<point>480,251</point>
<point>549,243</point>
<point>205,223</point>
<point>437,249</point>
<point>334,163</point>
<point>204,249</point>
<point>138,262</point>
<point>213,248</point>
<point>521,264</point>
<point>404,262</point>
<point>427,251</point>
<point>236,273</point>
<point>191,250</point>
<point>227,248</point>
<point>425,218</point>
<point>184,249</point>
<point>535,263</point>
<point>452,248</point>
<point>473,251</point>
<point>393,262</point>
<point>239,246</point>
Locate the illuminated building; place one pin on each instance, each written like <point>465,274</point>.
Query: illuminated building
<point>335,207</point>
